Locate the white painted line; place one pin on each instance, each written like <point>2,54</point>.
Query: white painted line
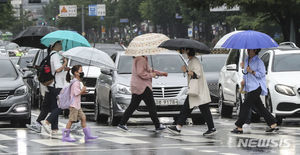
<point>208,151</point>
<point>123,134</point>
<point>3,147</point>
<point>192,139</point>
<point>229,154</point>
<point>185,132</point>
<point>53,142</point>
<point>123,140</point>
<point>4,137</point>
<point>188,148</point>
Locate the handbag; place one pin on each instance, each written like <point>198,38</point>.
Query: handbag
<point>193,87</point>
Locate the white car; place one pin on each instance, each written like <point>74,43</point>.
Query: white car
<point>283,82</point>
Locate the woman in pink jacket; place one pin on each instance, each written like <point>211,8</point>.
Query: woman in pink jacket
<point>141,89</point>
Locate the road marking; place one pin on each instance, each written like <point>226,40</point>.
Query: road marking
<point>3,147</point>
<point>186,132</point>
<point>53,142</point>
<point>123,140</point>
<point>192,139</point>
<point>208,151</point>
<point>4,137</point>
<point>229,154</point>
<point>123,134</point>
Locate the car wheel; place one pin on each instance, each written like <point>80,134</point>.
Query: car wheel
<point>198,119</point>
<point>238,101</point>
<point>98,117</point>
<point>224,110</point>
<point>112,120</point>
<point>269,103</point>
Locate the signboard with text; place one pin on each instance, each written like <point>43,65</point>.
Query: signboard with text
<point>68,10</point>
<point>97,10</point>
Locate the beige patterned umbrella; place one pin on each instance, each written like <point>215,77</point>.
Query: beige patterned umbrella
<point>146,44</point>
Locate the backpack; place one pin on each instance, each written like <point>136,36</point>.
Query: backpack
<point>64,98</point>
<point>44,71</point>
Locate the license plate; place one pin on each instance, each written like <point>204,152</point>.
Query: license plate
<point>167,102</point>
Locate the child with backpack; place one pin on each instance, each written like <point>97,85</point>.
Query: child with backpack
<point>76,112</point>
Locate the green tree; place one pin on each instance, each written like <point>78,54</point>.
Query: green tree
<point>6,16</point>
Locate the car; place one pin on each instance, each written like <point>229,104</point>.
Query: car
<point>3,52</point>
<point>282,76</point>
<point>14,60</point>
<point>15,94</point>
<point>113,93</point>
<point>33,51</point>
<point>24,61</point>
<point>110,49</point>
<point>212,65</point>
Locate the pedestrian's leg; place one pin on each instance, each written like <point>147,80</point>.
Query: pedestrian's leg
<point>150,103</point>
<point>185,112</point>
<point>134,103</point>
<point>55,111</point>
<point>245,108</point>
<point>205,111</point>
<point>45,108</point>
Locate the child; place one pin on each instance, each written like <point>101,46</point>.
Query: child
<point>76,112</point>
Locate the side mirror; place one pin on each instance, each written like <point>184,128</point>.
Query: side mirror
<point>28,74</point>
<point>231,67</point>
<point>106,72</point>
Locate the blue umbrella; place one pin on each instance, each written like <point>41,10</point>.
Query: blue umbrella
<point>249,40</point>
<point>69,39</point>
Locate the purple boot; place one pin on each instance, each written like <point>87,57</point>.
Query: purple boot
<point>87,133</point>
<point>66,136</point>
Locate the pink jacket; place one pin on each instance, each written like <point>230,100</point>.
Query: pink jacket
<point>141,75</point>
<point>75,93</point>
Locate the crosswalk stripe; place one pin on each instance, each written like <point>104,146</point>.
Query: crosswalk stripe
<point>123,134</point>
<point>208,151</point>
<point>4,137</point>
<point>192,139</point>
<point>123,140</point>
<point>53,142</point>
<point>3,147</point>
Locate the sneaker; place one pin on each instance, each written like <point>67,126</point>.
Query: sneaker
<point>269,129</point>
<point>246,128</point>
<point>210,132</point>
<point>236,131</point>
<point>160,128</point>
<point>35,127</point>
<point>47,127</point>
<point>174,129</point>
<point>123,127</point>
<point>56,133</point>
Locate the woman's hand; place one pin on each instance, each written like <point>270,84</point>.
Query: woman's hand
<point>165,74</point>
<point>153,74</point>
<point>183,68</point>
<point>190,73</point>
<point>242,64</point>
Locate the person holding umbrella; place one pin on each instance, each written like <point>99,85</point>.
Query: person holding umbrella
<point>142,74</point>
<point>254,78</point>
<point>201,99</point>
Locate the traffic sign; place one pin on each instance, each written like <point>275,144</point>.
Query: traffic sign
<point>124,20</point>
<point>68,10</point>
<point>190,32</point>
<point>93,10</point>
<point>97,10</point>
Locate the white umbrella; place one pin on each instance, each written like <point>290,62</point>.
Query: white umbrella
<point>224,38</point>
<point>91,56</point>
<point>146,44</point>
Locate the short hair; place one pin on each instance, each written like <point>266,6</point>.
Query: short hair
<point>191,52</point>
<point>257,51</point>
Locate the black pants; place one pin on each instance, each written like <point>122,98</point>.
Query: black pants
<point>147,97</point>
<point>253,100</point>
<point>186,111</point>
<point>50,105</point>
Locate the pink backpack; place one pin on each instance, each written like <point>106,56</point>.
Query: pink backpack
<point>64,99</point>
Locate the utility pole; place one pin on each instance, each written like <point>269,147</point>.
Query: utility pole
<point>82,20</point>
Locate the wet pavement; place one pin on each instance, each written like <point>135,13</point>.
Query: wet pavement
<point>142,140</point>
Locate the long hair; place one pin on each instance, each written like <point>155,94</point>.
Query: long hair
<point>73,70</point>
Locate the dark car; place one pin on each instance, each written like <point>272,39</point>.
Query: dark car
<point>15,94</point>
<point>212,65</point>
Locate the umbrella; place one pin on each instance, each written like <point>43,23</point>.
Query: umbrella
<point>146,44</point>
<point>69,39</point>
<point>180,43</point>
<point>31,37</point>
<point>224,38</point>
<point>249,40</point>
<point>91,56</point>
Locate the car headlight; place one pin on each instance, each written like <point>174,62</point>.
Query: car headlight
<point>20,108</point>
<point>122,89</point>
<point>285,90</point>
<point>21,91</point>
<point>185,91</point>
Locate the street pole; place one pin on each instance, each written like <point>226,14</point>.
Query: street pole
<point>82,20</point>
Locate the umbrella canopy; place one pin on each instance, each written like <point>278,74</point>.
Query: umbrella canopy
<point>146,44</point>
<point>31,37</point>
<point>180,43</point>
<point>224,38</point>
<point>70,39</point>
<point>91,56</point>
<point>249,40</point>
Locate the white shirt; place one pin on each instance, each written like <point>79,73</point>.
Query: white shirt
<point>56,61</point>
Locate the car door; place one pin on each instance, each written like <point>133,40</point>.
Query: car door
<point>230,75</point>
<point>104,84</point>
<point>266,60</point>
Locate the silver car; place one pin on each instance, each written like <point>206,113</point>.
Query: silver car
<point>113,93</point>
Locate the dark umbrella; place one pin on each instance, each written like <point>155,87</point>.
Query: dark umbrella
<point>181,43</point>
<point>31,37</point>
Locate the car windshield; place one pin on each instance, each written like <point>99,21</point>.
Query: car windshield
<point>8,70</point>
<point>23,62</point>
<point>213,64</point>
<point>165,63</point>
<point>14,59</point>
<point>286,62</point>
<point>32,51</point>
